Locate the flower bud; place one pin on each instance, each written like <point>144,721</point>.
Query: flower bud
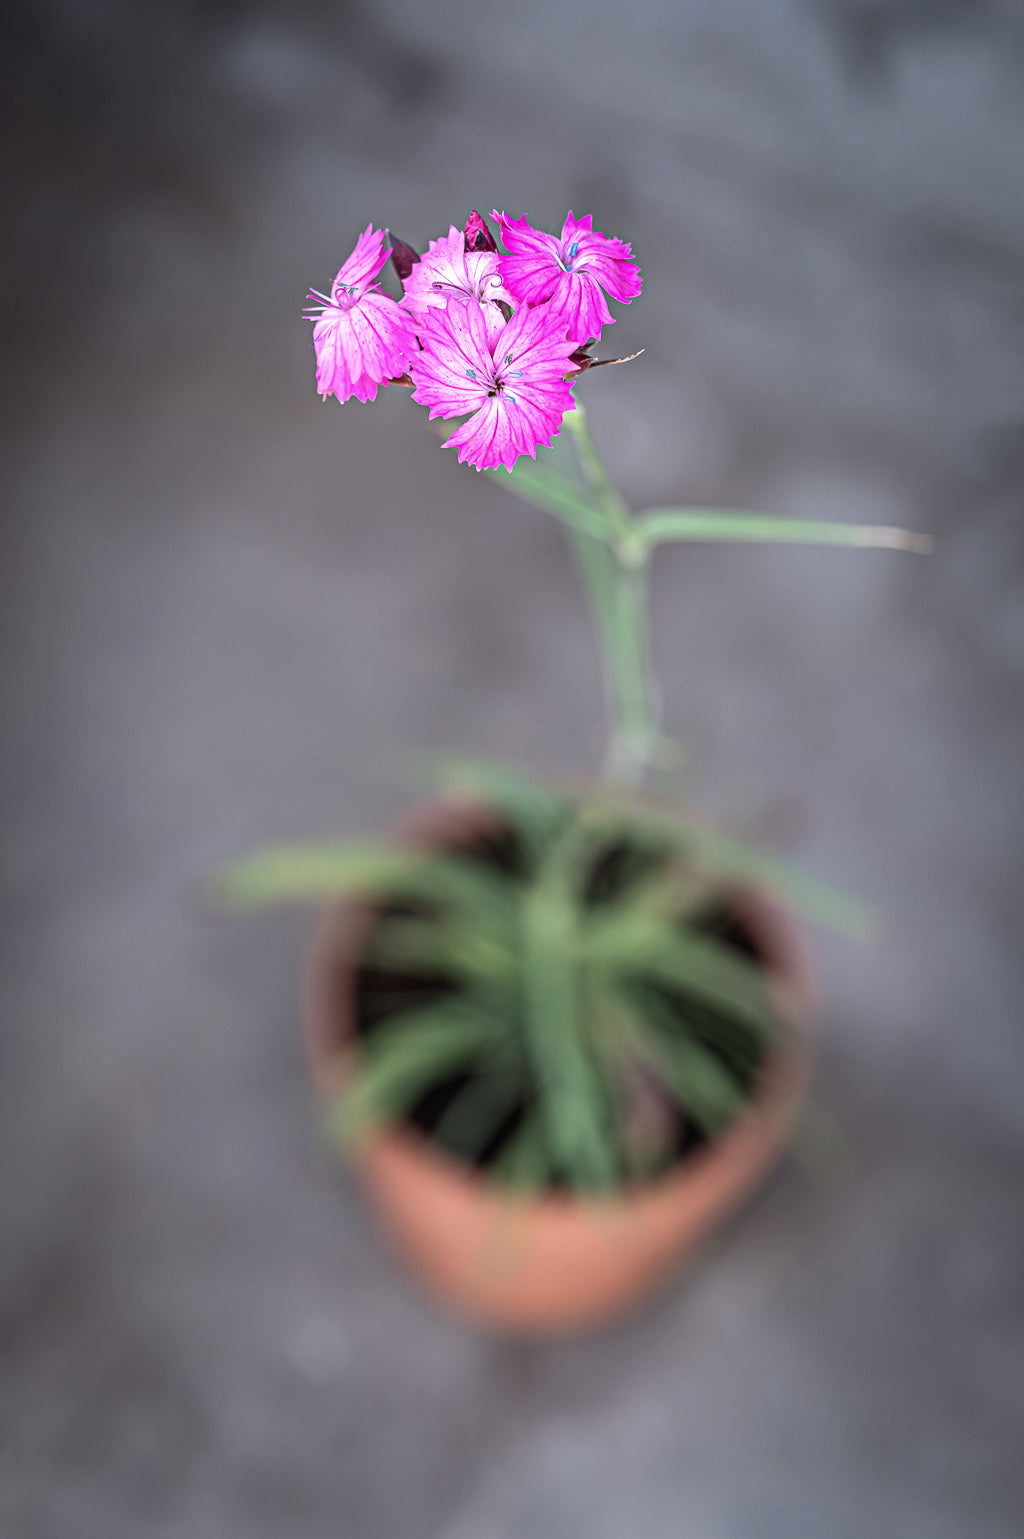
<point>403,256</point>
<point>478,234</point>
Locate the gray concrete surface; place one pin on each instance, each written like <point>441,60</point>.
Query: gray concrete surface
<point>233,615</point>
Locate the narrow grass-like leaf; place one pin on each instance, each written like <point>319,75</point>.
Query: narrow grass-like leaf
<point>524,1163</point>
<point>571,1101</point>
<point>532,809</point>
<point>661,525</point>
<point>741,1046</point>
<point>820,901</point>
<point>706,1091</point>
<point>463,948</point>
<point>627,946</point>
<point>303,872</point>
<point>734,862</point>
<point>476,1114</point>
<point>408,1056</point>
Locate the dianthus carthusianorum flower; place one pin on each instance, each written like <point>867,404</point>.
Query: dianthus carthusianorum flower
<point>478,331</point>
<point>573,271</point>
<point>513,384</point>
<point>447,272</point>
<point>362,337</point>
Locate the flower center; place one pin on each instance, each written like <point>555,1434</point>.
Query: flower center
<point>570,256</point>
<point>500,377</point>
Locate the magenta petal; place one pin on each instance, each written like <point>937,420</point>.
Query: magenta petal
<point>447,272</point>
<point>483,441</point>
<point>574,271</point>
<point>532,278</point>
<point>451,375</point>
<point>521,239</point>
<point>512,382</point>
<point>361,337</point>
<point>582,305</point>
<point>618,276</point>
<point>366,260</point>
<point>361,346</point>
<point>575,229</point>
<point>456,338</point>
<point>365,389</point>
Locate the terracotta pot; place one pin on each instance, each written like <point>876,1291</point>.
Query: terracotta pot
<point>551,1264</point>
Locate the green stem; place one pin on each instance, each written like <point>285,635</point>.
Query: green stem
<point>635,733</point>
<point>605,491</point>
<point>613,549</point>
<point>615,574</point>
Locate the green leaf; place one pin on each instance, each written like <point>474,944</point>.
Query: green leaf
<point>625,946</point>
<point>533,809</point>
<point>478,1111</point>
<point>311,871</point>
<point>571,1099</point>
<point>464,947</point>
<point>738,1044</point>
<point>400,1061</point>
<point>733,862</point>
<point>707,1092</point>
<point>820,901</point>
<point>657,890</point>
<point>524,1163</point>
<point>659,525</point>
<point>705,1088</point>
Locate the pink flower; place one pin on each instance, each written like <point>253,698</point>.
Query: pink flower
<point>513,384</point>
<point>362,338</point>
<point>574,271</point>
<point>447,271</point>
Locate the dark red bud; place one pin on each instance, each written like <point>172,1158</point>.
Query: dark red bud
<point>478,234</point>
<point>403,256</point>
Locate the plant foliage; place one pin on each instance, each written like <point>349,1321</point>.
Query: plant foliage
<point>565,1000</point>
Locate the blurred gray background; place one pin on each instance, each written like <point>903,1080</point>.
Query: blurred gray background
<point>232,614</point>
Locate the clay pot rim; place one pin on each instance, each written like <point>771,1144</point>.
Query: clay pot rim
<point>334,955</point>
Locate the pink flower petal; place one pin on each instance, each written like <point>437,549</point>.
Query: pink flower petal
<point>512,383</point>
<point>451,375</point>
<point>361,336</point>
<point>573,271</point>
<point>447,273</point>
<point>366,260</point>
<point>361,348</point>
<point>582,305</point>
<point>520,237</point>
<point>484,440</point>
